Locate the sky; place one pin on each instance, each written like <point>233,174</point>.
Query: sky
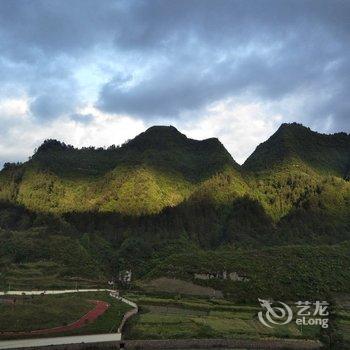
<point>91,72</point>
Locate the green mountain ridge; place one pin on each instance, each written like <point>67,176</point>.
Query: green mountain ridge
<point>163,168</point>
<point>159,168</point>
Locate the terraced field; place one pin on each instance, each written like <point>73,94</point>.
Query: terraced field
<point>174,317</point>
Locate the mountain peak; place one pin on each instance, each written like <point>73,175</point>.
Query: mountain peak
<point>293,127</point>
<point>53,144</point>
<point>169,139</point>
<point>168,129</point>
<point>294,143</point>
<point>157,136</point>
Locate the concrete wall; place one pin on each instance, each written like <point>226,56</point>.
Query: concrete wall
<point>63,291</point>
<point>220,343</point>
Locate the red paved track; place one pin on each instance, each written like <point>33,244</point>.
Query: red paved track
<point>98,310</point>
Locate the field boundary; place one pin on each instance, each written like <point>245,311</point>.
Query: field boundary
<point>272,344</point>
<point>223,343</point>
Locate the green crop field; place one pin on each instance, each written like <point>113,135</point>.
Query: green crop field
<point>174,317</point>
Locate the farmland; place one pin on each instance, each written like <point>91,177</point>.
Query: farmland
<point>171,317</point>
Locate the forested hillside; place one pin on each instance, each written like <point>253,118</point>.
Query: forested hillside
<point>157,169</point>
<point>117,208</point>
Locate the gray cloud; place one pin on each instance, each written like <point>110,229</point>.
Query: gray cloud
<point>191,53</point>
<point>54,98</point>
<point>48,106</point>
<point>37,27</point>
<point>178,87</point>
<point>42,44</point>
<point>214,50</point>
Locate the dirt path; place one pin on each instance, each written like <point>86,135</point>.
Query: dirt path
<point>98,310</point>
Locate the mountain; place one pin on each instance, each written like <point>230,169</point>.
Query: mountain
<point>159,168</point>
<point>297,146</point>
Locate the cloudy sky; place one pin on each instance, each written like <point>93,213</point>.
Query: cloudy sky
<point>92,72</point>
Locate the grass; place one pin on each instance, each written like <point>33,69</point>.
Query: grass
<point>62,309</point>
<point>44,311</point>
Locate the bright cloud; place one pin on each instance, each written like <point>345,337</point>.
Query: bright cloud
<point>239,126</point>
